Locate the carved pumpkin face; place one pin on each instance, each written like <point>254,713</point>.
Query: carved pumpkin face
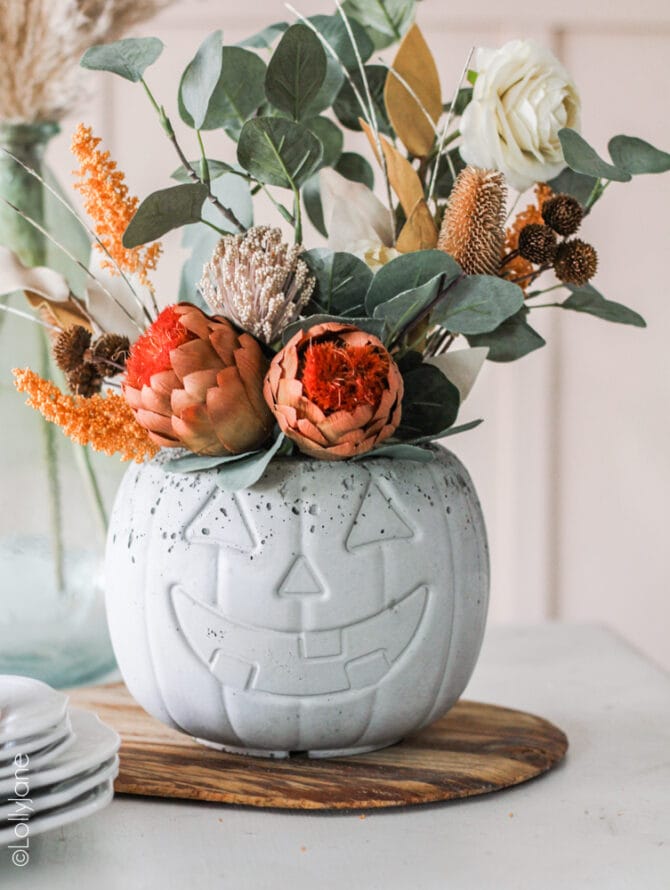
<point>314,611</point>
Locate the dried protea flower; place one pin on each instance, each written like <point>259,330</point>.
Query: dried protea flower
<point>258,282</point>
<point>109,354</point>
<point>335,391</point>
<point>473,227</point>
<point>576,262</point>
<point>84,380</point>
<point>537,243</point>
<point>70,346</point>
<point>194,382</point>
<point>563,213</point>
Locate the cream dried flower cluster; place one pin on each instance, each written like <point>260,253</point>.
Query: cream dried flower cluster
<point>258,282</point>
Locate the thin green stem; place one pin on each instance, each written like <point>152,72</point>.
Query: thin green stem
<point>212,226</point>
<point>53,477</point>
<point>204,164</point>
<point>83,458</point>
<point>545,306</point>
<point>297,214</point>
<point>190,171</point>
<point>537,293</point>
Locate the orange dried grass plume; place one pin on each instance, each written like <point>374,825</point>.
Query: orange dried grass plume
<point>107,423</point>
<point>519,270</point>
<point>110,206</point>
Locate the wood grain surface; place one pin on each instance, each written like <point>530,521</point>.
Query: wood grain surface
<point>476,748</point>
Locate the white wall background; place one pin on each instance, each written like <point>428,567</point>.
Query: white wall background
<point>572,462</point>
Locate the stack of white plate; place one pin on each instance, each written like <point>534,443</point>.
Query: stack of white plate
<point>57,764</point>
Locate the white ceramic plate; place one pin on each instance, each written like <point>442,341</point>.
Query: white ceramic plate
<point>82,806</point>
<point>62,792</point>
<point>94,743</point>
<point>28,708</point>
<point>40,749</point>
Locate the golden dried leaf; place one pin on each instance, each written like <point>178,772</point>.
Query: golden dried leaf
<point>414,62</point>
<point>403,177</point>
<point>62,313</point>
<point>419,232</point>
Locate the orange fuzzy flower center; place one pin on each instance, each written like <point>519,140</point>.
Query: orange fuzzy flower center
<point>338,377</point>
<point>150,353</point>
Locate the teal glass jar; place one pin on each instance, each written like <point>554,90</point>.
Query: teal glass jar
<point>53,493</point>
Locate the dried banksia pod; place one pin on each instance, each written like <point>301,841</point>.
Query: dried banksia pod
<point>109,354</point>
<point>473,228</point>
<point>563,213</point>
<point>258,282</point>
<point>70,346</point>
<point>576,262</point>
<point>537,244</point>
<point>85,380</point>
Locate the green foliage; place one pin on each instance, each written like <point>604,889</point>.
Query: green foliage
<point>296,72</point>
<point>129,58</point>
<point>279,152</point>
<point>444,182</point>
<point>331,86</point>
<point>399,451</point>
<point>311,199</point>
<point>373,326</point>
<point>402,311</point>
<point>201,77</point>
<point>347,107</point>
<point>385,21</point>
<point>265,38</point>
<point>244,472</point>
<point>588,299</point>
<point>238,94</point>
<point>216,169</point>
<point>355,168</point>
<point>330,136</point>
<point>513,339</point>
<point>636,156</point>
<point>409,271</point>
<point>334,32</point>
<point>478,304</point>
<point>576,184</point>
<point>451,431</point>
<point>430,403</point>
<point>581,158</point>
<point>342,280</point>
<point>163,211</point>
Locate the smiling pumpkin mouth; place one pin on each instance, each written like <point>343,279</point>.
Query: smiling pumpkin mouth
<point>247,657</point>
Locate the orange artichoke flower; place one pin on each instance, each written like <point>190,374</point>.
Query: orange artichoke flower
<point>194,382</point>
<point>335,390</point>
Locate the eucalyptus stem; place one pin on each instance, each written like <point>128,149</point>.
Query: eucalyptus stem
<point>190,171</point>
<point>204,163</point>
<point>546,290</point>
<point>53,477</point>
<point>297,213</point>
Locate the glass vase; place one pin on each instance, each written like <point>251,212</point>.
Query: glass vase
<point>54,494</point>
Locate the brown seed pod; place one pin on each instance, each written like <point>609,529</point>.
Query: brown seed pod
<point>70,346</point>
<point>563,213</point>
<point>576,262</point>
<point>537,243</point>
<point>109,354</point>
<point>85,380</point>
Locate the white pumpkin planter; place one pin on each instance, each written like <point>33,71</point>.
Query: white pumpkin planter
<point>332,607</point>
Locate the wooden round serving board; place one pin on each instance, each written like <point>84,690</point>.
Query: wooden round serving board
<point>476,748</point>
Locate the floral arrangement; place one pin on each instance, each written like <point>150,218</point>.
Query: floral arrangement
<point>342,351</point>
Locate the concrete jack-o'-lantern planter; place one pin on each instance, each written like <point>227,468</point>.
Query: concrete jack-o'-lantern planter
<point>334,607</point>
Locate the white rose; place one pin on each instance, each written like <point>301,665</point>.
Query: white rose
<point>522,97</point>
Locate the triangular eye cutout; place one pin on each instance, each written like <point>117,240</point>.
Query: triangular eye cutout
<point>300,580</point>
<point>220,522</point>
<point>377,520</point>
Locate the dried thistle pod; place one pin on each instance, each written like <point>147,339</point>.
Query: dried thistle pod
<point>70,347</point>
<point>563,213</point>
<point>85,380</point>
<point>473,227</point>
<point>109,354</point>
<point>537,243</point>
<point>576,262</point>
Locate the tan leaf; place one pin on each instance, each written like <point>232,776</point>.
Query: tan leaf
<point>403,177</point>
<point>62,314</point>
<point>419,232</point>
<point>414,62</point>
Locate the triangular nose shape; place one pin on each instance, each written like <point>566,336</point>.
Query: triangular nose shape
<point>300,580</point>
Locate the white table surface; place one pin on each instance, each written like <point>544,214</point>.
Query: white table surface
<point>601,820</point>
